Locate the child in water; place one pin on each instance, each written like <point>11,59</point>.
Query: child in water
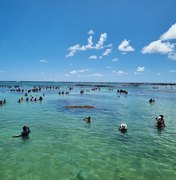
<point>24,133</point>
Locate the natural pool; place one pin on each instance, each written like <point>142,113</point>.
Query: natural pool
<point>63,146</point>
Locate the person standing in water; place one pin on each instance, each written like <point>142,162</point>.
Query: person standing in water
<point>87,119</point>
<point>25,133</point>
<point>160,121</point>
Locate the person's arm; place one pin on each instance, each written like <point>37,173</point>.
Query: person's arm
<point>17,136</point>
<point>29,130</point>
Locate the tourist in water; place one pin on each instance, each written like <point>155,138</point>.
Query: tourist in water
<point>25,133</point>
<point>160,121</point>
<point>123,128</point>
<point>40,98</point>
<point>2,102</point>
<point>87,119</point>
<point>151,100</point>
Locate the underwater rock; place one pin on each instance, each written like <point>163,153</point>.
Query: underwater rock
<point>82,175</point>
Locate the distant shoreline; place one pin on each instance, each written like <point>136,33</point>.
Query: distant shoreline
<point>97,84</point>
<point>152,83</point>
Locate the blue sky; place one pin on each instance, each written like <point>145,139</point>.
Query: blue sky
<point>88,40</point>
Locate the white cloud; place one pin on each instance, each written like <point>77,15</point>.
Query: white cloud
<point>140,69</point>
<point>100,45</point>
<point>107,52</point>
<point>101,41</point>
<point>90,43</point>
<point>70,54</point>
<point>115,60</point>
<point>83,70</point>
<point>158,47</point>
<point>119,73</point>
<point>163,46</point>
<point>73,72</point>
<point>125,46</point>
<point>173,71</point>
<point>170,34</point>
<point>95,75</point>
<point>172,55</point>
<point>43,61</point>
<point>109,67</point>
<point>91,32</point>
<point>73,50</point>
<point>93,57</point>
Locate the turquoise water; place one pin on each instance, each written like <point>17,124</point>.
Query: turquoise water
<point>62,146</point>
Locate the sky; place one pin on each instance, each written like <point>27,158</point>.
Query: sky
<point>88,40</point>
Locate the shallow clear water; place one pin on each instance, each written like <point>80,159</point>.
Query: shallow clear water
<point>63,146</point>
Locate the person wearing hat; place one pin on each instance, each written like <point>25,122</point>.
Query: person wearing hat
<point>160,121</point>
<point>123,128</point>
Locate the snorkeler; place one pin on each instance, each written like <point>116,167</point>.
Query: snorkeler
<point>24,133</point>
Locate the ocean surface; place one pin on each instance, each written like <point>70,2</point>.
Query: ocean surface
<point>63,147</point>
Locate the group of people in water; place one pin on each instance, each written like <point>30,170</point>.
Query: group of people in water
<point>62,92</point>
<point>160,119</point>
<point>159,124</point>
<point>122,128</point>
<point>26,130</point>
<point>32,99</point>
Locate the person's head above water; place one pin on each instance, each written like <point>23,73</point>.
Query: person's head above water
<point>24,128</point>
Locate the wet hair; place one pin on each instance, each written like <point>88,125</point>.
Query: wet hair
<point>24,128</point>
